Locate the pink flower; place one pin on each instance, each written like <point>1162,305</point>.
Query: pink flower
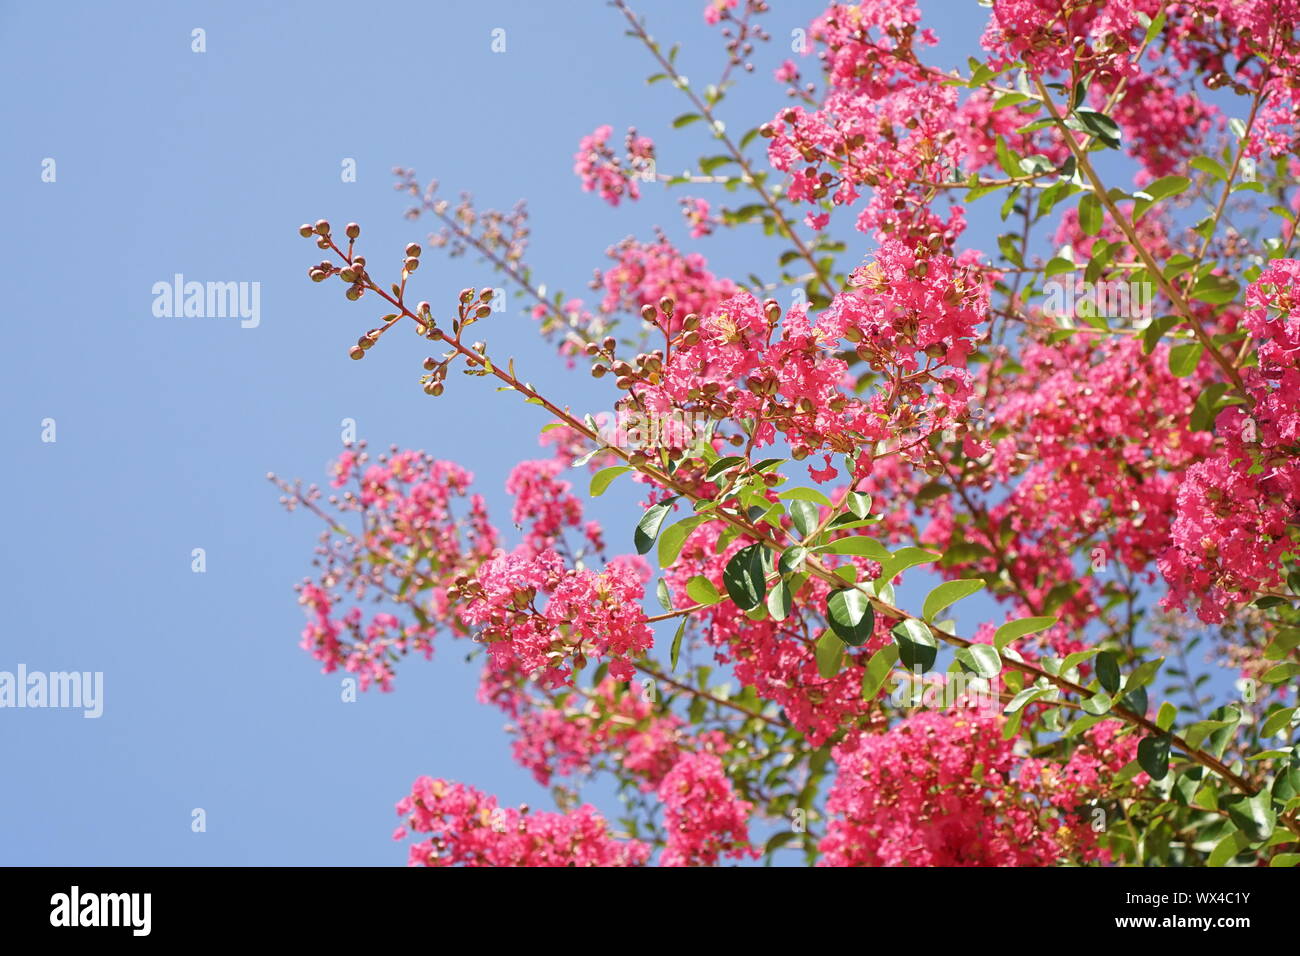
<point>703,817</point>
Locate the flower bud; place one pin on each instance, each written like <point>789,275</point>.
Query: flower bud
<point>353,230</point>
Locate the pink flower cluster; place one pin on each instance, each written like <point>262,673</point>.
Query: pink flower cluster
<point>588,613</point>
<point>469,828</point>
<point>1237,511</point>
<point>643,273</point>
<point>420,544</point>
<point>559,741</point>
<point>945,789</point>
<point>704,818</point>
<point>613,177</point>
<point>697,213</point>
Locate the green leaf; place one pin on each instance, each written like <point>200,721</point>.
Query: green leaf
<point>917,647</point>
<point>1281,672</point>
<point>858,504</point>
<point>805,516</point>
<point>1090,216</point>
<point>1166,186</point>
<point>1215,290</point>
<point>878,668</point>
<point>1154,27</point>
<point>1223,718</point>
<point>1108,671</point>
<point>850,616</point>
<point>829,654</point>
<point>1097,704</point>
<point>903,559</point>
<point>1183,358</point>
<point>1154,192</point>
<point>983,659</point>
<point>1144,674</point>
<point>1099,124</point>
<point>1253,815</point>
<point>859,545</point>
<point>711,163</point>
<point>792,559</point>
<point>805,494</point>
<point>1013,630</point>
<point>1277,721</point>
<point>601,479</point>
<point>665,599</point>
<point>744,577</point>
<point>701,590</point>
<point>677,645</point>
<point>1006,159</point>
<point>686,119</point>
<point>723,464</point>
<point>1227,849</point>
<point>647,529</point>
<point>1017,703</point>
<point>1152,333</point>
<point>674,537</point>
<point>1207,407</point>
<point>1165,718</point>
<point>1058,266</point>
<point>947,594</point>
<point>779,600</point>
<point>1153,755</point>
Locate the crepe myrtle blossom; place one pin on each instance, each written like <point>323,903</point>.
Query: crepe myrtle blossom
<point>859,413</point>
<point>613,177</point>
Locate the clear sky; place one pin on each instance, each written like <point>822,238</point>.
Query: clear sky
<point>169,161</point>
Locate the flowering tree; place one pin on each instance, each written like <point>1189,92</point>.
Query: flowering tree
<point>1096,423</point>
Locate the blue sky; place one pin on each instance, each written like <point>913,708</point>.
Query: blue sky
<point>170,161</point>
